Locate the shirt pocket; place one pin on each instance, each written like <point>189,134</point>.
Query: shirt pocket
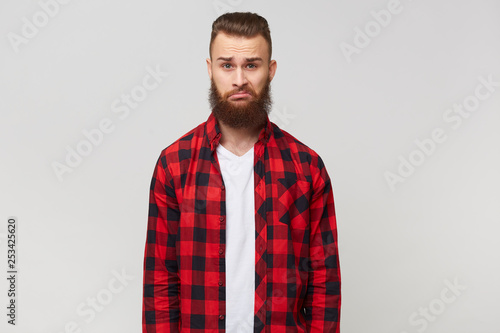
<point>293,202</point>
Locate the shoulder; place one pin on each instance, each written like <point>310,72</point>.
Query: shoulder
<point>186,141</point>
<point>307,162</point>
<point>305,154</point>
<point>182,148</point>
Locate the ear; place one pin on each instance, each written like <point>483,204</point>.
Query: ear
<point>209,68</point>
<point>272,69</point>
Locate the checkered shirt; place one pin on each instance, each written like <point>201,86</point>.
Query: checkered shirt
<point>297,273</point>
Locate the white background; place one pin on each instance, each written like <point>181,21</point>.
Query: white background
<point>400,245</point>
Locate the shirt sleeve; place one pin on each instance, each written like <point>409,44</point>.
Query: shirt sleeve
<point>322,301</point>
<point>161,305</point>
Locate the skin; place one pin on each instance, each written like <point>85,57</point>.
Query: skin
<point>240,64</point>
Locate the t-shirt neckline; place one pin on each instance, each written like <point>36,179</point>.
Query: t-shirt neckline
<point>232,155</point>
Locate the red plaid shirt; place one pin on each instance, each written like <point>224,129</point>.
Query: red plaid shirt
<point>297,274</point>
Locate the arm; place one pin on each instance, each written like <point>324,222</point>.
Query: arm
<point>322,301</point>
<point>161,308</point>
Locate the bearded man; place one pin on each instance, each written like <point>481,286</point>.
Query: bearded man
<point>241,233</point>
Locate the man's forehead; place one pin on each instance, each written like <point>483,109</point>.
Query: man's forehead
<point>235,46</point>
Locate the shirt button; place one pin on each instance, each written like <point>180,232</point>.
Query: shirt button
<point>221,317</point>
<point>222,187</point>
<point>261,248</point>
<point>221,218</point>
<point>220,283</point>
<point>221,251</point>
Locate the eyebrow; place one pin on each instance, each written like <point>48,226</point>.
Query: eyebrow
<point>247,59</point>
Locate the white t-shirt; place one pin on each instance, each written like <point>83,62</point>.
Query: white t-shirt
<point>237,173</point>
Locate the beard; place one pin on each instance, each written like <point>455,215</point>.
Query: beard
<point>250,113</point>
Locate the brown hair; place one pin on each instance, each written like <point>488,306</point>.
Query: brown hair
<point>241,25</point>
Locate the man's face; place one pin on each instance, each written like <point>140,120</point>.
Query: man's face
<point>240,75</point>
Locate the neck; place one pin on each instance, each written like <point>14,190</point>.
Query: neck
<point>238,140</point>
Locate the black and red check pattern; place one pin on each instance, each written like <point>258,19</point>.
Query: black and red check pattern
<point>297,273</point>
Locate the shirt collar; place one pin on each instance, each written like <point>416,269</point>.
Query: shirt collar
<point>213,133</point>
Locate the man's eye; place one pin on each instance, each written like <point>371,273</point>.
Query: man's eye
<point>252,66</point>
<point>226,65</point>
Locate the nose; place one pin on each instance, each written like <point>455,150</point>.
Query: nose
<point>240,78</point>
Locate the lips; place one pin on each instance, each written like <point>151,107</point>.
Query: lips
<point>240,94</point>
